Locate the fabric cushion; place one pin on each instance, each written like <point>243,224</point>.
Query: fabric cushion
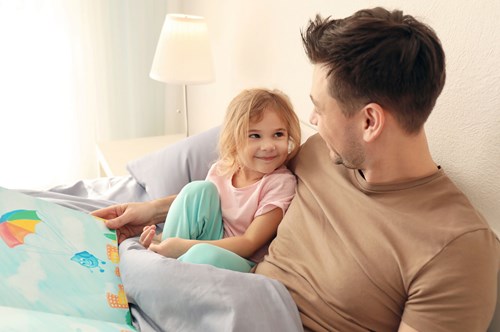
<point>166,171</point>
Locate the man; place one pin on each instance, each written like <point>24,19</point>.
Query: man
<point>394,239</point>
<point>379,239</point>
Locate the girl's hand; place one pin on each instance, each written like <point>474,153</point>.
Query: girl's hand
<point>173,247</point>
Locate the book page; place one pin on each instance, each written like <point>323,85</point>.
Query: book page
<point>21,320</point>
<point>57,260</point>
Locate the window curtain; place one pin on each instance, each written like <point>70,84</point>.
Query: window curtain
<point>72,73</point>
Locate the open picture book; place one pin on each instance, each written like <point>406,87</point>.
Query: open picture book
<point>59,269</point>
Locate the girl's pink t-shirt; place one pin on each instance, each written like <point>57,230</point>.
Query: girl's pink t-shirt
<point>240,206</point>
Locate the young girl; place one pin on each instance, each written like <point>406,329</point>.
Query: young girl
<point>229,219</point>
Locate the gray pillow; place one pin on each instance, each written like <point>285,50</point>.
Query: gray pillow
<point>166,171</point>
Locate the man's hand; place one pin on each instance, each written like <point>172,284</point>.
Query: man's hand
<point>128,219</point>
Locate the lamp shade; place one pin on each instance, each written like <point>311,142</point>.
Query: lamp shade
<point>183,54</point>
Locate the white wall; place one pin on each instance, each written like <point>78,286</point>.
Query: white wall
<point>257,43</point>
<point>73,73</point>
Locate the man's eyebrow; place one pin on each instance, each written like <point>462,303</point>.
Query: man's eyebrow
<point>313,101</point>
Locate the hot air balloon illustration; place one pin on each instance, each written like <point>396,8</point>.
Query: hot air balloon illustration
<point>16,225</point>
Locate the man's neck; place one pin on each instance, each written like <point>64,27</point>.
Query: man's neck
<point>400,159</point>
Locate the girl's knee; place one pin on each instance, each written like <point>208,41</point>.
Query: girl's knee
<point>204,253</point>
<point>199,188</point>
<point>204,249</point>
<point>201,253</point>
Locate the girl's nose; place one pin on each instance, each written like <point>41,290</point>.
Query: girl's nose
<point>268,146</point>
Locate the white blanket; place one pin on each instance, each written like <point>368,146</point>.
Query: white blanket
<point>167,295</point>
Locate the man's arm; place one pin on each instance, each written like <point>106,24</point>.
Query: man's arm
<point>456,290</point>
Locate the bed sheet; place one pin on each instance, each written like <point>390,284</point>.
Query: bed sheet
<point>89,195</point>
<point>167,295</point>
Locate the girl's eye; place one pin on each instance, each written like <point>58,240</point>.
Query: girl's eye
<point>254,136</point>
<point>279,134</point>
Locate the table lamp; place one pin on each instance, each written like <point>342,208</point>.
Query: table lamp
<point>183,54</point>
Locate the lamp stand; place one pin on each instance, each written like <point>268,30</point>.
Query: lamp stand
<point>184,94</point>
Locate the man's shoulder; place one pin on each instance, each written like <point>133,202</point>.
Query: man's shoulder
<point>449,199</point>
<point>312,143</point>
<point>313,149</point>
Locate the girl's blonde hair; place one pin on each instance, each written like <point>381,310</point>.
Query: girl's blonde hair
<point>247,106</point>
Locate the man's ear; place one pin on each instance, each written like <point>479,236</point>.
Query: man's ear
<point>374,121</point>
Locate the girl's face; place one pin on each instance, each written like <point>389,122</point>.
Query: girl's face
<point>266,147</point>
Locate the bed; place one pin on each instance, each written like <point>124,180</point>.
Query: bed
<point>160,290</point>
<point>163,293</point>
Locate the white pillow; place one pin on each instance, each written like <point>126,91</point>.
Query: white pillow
<point>166,171</point>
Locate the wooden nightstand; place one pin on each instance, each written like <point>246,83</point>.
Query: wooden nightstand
<point>113,156</point>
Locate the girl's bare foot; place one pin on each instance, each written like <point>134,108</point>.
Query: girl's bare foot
<point>147,236</point>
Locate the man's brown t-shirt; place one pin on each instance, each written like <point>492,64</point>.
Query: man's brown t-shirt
<point>357,256</point>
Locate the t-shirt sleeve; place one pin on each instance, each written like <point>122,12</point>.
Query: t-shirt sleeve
<point>278,191</point>
<point>456,291</point>
<point>212,173</point>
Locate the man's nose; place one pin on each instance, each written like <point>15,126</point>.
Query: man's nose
<point>313,119</point>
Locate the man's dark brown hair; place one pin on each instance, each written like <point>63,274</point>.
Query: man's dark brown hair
<point>383,57</point>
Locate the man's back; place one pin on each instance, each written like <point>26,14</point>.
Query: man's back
<point>355,256</point>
